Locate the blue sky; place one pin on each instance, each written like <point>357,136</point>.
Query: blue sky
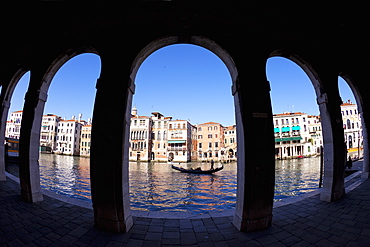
<point>182,81</point>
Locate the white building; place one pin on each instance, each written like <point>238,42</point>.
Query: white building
<point>48,135</point>
<point>140,137</point>
<point>13,125</point>
<point>159,136</point>
<point>182,141</point>
<point>292,136</point>
<point>352,128</point>
<point>68,137</point>
<point>314,127</point>
<point>230,143</point>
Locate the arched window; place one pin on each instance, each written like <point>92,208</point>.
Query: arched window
<point>348,124</point>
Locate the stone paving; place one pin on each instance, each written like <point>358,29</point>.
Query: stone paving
<point>309,222</point>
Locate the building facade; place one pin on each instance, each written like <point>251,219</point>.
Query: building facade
<point>13,125</point>
<point>230,152</point>
<point>140,137</point>
<point>85,140</point>
<point>352,128</point>
<point>292,136</point>
<point>315,130</point>
<point>211,139</point>
<point>159,137</point>
<point>181,142</point>
<point>68,137</point>
<point>49,130</point>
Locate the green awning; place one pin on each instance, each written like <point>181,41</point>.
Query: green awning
<point>295,138</point>
<point>177,141</point>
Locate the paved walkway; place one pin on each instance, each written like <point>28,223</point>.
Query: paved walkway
<point>309,222</point>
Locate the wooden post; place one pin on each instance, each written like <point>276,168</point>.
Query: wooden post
<point>321,165</point>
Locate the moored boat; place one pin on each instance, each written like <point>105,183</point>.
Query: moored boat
<point>197,170</point>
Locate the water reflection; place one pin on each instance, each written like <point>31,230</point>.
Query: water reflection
<point>294,177</point>
<point>66,175</point>
<point>157,187</point>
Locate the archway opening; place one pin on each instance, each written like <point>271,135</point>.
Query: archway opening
<point>15,98</point>
<point>297,128</point>
<point>353,124</point>
<point>183,101</point>
<point>12,114</point>
<point>65,135</point>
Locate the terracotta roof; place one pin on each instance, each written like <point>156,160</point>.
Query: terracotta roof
<point>230,127</point>
<point>140,117</point>
<point>70,120</point>
<point>347,104</point>
<point>208,123</point>
<point>290,113</point>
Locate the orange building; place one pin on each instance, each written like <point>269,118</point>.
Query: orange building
<point>211,145</point>
<point>85,141</point>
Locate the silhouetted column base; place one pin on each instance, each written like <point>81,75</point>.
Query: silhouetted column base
<point>114,225</point>
<point>365,175</point>
<point>248,225</point>
<point>2,176</point>
<point>31,197</point>
<point>332,196</point>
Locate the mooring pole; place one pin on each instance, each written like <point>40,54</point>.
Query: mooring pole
<point>321,165</point>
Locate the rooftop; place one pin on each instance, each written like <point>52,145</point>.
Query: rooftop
<point>290,114</point>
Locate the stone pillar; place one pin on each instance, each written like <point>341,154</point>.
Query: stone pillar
<point>29,140</point>
<point>334,146</point>
<point>366,161</point>
<point>109,172</point>
<point>256,163</point>
<point>10,78</point>
<point>3,115</point>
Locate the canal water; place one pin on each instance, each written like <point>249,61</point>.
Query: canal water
<point>157,187</point>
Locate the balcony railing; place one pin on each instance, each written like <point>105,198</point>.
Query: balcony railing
<point>176,148</point>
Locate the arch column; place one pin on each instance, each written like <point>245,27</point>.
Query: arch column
<point>109,172</point>
<point>29,140</point>
<point>256,162</point>
<point>334,146</point>
<point>4,113</point>
<point>6,94</point>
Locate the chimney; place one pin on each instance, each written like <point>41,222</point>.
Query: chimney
<point>73,117</point>
<point>79,117</point>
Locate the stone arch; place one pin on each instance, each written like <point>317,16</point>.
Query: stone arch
<point>7,93</point>
<point>60,61</point>
<point>333,188</point>
<point>36,96</point>
<point>218,51</point>
<point>360,105</point>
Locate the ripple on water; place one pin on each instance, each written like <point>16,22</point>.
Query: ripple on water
<point>157,187</point>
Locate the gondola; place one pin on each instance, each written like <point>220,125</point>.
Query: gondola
<point>198,170</point>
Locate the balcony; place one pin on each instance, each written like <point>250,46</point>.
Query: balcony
<point>176,148</point>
